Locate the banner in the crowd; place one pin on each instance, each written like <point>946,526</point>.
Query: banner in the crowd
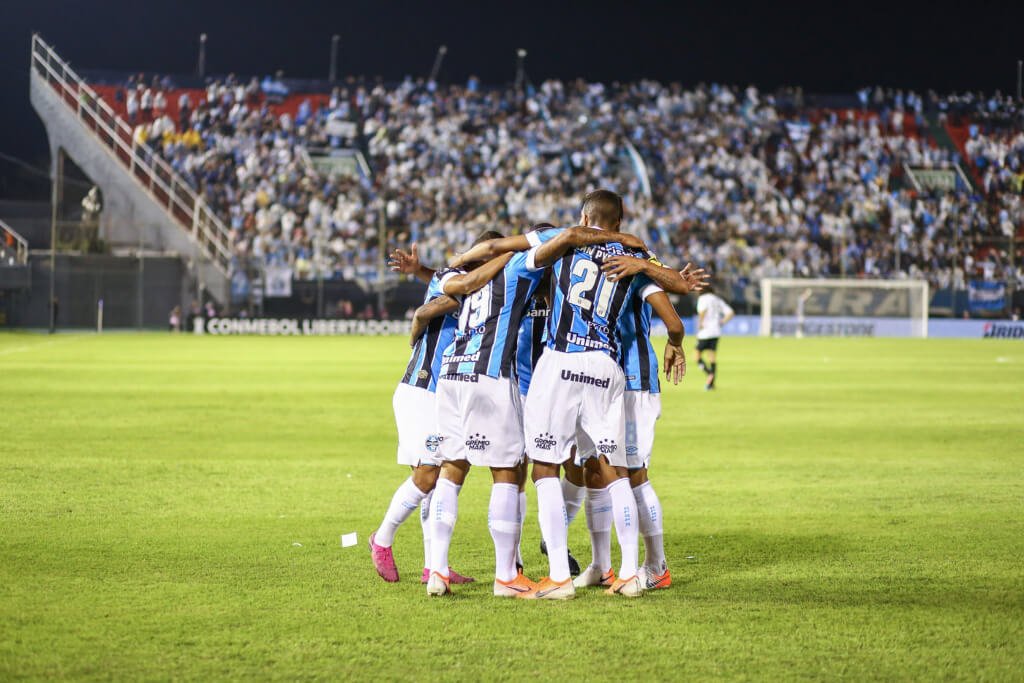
<point>274,327</point>
<point>986,296</point>
<point>277,282</point>
<point>934,178</point>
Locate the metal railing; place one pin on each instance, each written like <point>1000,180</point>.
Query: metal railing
<point>150,172</point>
<point>20,245</point>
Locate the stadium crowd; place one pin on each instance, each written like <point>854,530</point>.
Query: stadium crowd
<point>746,183</point>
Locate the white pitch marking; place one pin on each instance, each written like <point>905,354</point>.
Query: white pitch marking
<point>29,347</point>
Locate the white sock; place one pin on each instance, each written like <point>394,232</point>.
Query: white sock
<point>649,508</point>
<point>406,499</point>
<point>425,525</point>
<point>573,496</point>
<point>444,509</point>
<point>503,521</point>
<point>599,523</point>
<point>522,523</point>
<point>551,513</point>
<point>627,526</point>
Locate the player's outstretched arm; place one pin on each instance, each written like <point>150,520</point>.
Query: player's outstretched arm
<point>675,358</point>
<point>435,308</point>
<point>579,236</point>
<point>408,263</point>
<point>687,280</point>
<point>467,283</point>
<point>485,251</point>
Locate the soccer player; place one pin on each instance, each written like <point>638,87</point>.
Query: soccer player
<point>712,315</point>
<point>642,403</point>
<point>576,396</point>
<point>478,412</point>
<point>413,404</point>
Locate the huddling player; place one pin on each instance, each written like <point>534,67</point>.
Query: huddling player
<point>413,404</point>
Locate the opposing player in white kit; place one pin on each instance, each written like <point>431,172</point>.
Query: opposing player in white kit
<point>712,314</point>
<point>413,404</point>
<point>478,406</point>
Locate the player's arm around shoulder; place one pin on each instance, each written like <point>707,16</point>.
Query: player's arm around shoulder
<point>490,249</point>
<point>557,243</point>
<point>684,281</point>
<point>462,283</point>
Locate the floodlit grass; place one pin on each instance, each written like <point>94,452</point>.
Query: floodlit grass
<point>171,508</point>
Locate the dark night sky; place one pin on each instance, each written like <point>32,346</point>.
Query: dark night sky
<point>822,46</point>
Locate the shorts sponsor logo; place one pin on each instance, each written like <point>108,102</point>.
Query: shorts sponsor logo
<point>545,442</point>
<point>477,442</point>
<point>465,358</point>
<point>433,442</point>
<point>586,342</point>
<point>461,378</point>
<point>571,376</point>
<point>1003,331</point>
<point>632,450</point>
<point>607,446</point>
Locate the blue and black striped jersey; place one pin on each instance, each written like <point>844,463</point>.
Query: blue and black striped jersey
<point>489,319</point>
<point>637,357</point>
<point>532,336</point>
<point>425,363</point>
<point>585,305</point>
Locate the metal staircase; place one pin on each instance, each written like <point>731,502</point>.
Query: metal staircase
<point>147,203</point>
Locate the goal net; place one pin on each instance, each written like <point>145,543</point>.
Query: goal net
<point>844,308</point>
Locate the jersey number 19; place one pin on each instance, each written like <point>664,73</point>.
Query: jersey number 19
<point>476,310</point>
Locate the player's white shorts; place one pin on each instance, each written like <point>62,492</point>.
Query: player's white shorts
<point>642,411</point>
<point>417,426</point>
<point>479,419</point>
<point>575,398</point>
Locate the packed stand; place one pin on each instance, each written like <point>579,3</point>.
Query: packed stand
<point>735,180</point>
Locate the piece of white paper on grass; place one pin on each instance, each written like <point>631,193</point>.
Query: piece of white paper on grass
<point>349,540</point>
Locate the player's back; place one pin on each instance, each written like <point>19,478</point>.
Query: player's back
<point>637,357</point>
<point>425,361</point>
<point>532,338</point>
<point>489,321</point>
<point>585,304</point>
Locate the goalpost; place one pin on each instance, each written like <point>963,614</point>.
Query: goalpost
<point>795,307</point>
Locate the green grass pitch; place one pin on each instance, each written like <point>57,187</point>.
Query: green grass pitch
<point>170,507</point>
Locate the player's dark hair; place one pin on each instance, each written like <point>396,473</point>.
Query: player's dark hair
<point>538,226</point>
<point>603,207</point>
<point>488,235</point>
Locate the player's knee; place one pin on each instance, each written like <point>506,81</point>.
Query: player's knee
<point>593,478</point>
<point>505,475</point>
<point>573,472</point>
<point>544,470</point>
<point>424,477</point>
<point>455,471</point>
<point>637,477</point>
